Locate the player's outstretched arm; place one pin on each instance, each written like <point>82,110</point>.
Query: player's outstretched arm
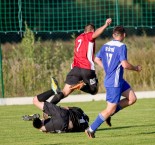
<point>100,30</point>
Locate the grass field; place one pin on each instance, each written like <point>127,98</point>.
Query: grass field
<point>134,125</point>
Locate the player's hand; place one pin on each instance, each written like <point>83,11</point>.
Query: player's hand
<point>108,21</point>
<point>138,68</point>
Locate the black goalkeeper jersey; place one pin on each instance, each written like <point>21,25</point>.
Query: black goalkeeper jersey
<point>79,119</point>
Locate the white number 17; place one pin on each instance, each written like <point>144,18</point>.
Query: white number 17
<point>109,57</point>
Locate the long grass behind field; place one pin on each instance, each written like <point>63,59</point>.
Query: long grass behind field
<point>134,125</point>
<point>28,66</point>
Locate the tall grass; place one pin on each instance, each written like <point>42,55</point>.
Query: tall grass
<point>142,51</point>
<point>28,66</point>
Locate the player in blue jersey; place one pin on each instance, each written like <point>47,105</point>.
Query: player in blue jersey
<point>113,58</point>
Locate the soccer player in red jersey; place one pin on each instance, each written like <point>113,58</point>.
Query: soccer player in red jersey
<point>82,75</point>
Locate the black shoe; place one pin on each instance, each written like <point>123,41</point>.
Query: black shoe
<point>55,86</point>
<point>90,134</point>
<point>108,121</point>
<point>30,117</point>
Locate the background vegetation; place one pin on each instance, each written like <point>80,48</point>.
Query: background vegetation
<point>28,65</point>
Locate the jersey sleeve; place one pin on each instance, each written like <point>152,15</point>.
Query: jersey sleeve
<point>123,53</point>
<point>79,119</point>
<point>99,54</point>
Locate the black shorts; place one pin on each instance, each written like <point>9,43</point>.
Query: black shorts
<point>78,74</point>
<point>58,122</point>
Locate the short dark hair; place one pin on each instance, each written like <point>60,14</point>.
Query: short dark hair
<point>89,27</point>
<point>119,30</point>
<point>37,123</point>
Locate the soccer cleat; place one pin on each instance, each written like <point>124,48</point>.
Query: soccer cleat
<point>30,117</point>
<point>89,134</point>
<point>54,85</point>
<point>77,86</point>
<point>108,121</point>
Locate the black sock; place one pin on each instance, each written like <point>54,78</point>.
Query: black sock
<point>57,98</point>
<point>44,96</point>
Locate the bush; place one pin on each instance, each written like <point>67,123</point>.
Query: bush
<point>28,66</point>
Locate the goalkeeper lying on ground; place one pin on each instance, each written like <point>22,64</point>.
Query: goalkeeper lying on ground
<point>57,119</point>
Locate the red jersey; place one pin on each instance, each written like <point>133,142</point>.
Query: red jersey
<point>84,51</point>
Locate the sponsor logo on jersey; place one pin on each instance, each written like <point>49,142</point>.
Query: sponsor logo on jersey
<point>92,81</point>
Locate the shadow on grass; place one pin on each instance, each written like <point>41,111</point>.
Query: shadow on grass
<point>56,144</point>
<point>124,127</point>
<point>147,133</point>
<point>133,126</point>
<point>53,144</point>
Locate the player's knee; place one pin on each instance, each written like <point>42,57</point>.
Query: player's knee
<point>133,100</point>
<point>35,100</point>
<point>94,90</point>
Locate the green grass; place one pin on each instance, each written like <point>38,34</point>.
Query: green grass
<point>134,125</point>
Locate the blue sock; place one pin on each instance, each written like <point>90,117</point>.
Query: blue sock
<point>99,120</point>
<point>118,108</point>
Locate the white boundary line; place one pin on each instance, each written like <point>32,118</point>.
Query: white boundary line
<point>71,98</point>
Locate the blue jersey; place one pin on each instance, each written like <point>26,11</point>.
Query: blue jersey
<point>111,54</point>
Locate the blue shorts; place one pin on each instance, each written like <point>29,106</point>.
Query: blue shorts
<point>113,94</point>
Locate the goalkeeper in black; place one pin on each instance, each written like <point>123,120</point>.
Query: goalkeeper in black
<point>57,119</point>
